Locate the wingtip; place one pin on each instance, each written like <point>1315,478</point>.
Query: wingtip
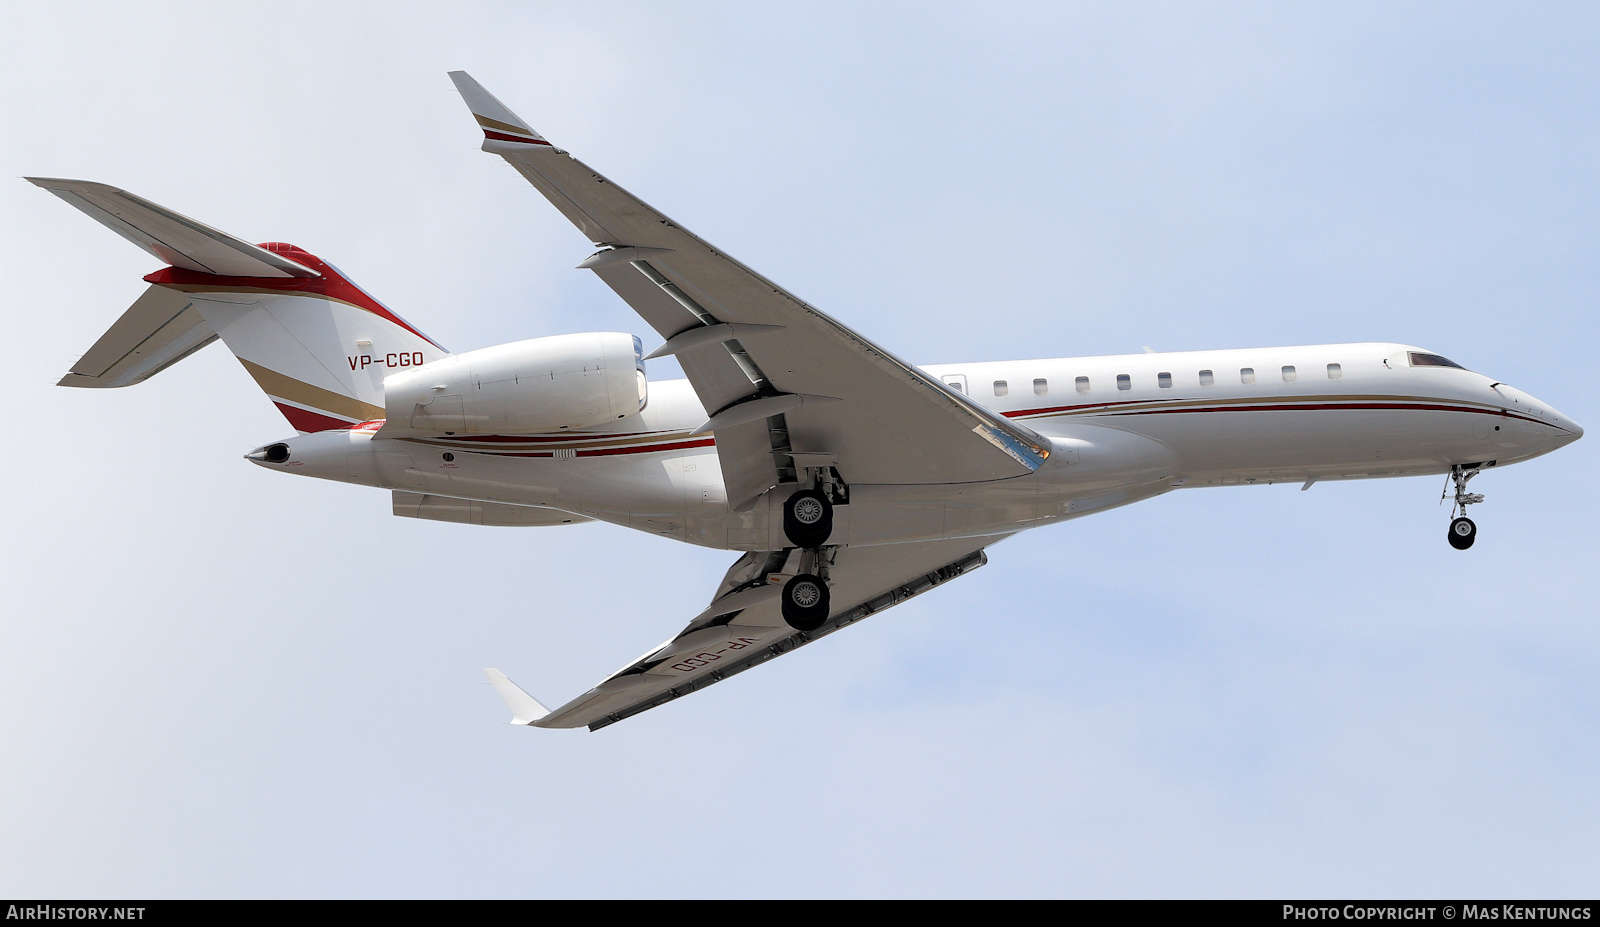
<point>498,122</point>
<point>65,183</point>
<point>525,709</point>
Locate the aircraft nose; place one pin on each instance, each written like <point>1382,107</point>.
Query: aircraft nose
<point>1572,431</point>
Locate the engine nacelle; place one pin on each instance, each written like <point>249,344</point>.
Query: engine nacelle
<point>526,387</point>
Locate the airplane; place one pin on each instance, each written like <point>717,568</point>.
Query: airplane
<point>847,479</point>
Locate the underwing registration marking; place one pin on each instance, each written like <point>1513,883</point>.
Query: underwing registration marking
<point>707,657</point>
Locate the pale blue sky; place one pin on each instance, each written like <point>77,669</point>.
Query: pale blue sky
<point>216,681</point>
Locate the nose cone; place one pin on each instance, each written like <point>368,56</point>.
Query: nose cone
<point>1562,431</point>
<point>1539,428</point>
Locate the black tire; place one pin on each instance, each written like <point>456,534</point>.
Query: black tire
<point>805,602</point>
<point>807,519</point>
<point>1462,533</point>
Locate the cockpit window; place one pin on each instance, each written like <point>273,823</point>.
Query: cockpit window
<point>1419,359</point>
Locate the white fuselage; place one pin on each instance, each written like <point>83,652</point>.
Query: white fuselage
<point>1122,428</point>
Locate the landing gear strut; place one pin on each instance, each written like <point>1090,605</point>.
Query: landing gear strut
<point>1462,531</point>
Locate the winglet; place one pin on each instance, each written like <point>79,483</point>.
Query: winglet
<point>525,709</point>
<point>499,123</point>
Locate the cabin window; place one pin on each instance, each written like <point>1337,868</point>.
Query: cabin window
<point>1335,372</point>
<point>1164,380</point>
<point>1124,381</point>
<point>1040,387</point>
<point>1419,359</point>
<point>1000,388</point>
<point>1247,374</point>
<point>1289,376</point>
<point>1207,378</point>
<point>1082,383</point>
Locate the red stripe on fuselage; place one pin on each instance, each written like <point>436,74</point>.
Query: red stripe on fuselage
<point>1118,408</point>
<point>568,438</point>
<point>648,448</point>
<point>331,284</point>
<point>1050,410</point>
<point>603,451</point>
<point>1318,407</point>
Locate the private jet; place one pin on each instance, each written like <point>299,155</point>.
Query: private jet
<point>847,479</point>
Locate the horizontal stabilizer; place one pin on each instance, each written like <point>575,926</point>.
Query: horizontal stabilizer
<point>174,239</point>
<point>161,328</point>
<point>525,709</point>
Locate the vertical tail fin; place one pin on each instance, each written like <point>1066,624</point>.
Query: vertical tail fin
<point>317,344</point>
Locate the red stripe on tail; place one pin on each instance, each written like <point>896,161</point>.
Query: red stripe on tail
<point>331,284</point>
<point>304,420</point>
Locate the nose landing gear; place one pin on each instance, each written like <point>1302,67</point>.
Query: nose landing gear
<point>1462,530</point>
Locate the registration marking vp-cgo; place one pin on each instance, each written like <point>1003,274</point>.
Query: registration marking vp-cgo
<point>392,359</point>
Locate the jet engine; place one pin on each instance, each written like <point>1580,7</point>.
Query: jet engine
<point>537,386</point>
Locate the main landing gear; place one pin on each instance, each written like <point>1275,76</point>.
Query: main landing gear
<point>807,523</point>
<point>805,602</point>
<point>1462,530</point>
<point>807,519</point>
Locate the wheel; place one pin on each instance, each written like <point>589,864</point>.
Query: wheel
<point>1462,533</point>
<point>805,602</point>
<point>807,518</point>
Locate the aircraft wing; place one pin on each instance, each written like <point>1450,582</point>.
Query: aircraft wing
<point>777,377</point>
<point>742,627</point>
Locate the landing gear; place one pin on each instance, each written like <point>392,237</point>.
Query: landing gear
<point>805,602</point>
<point>807,519</point>
<point>1462,530</point>
<point>807,523</point>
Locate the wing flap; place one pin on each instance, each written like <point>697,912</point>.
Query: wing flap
<point>717,379</point>
<point>738,631</point>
